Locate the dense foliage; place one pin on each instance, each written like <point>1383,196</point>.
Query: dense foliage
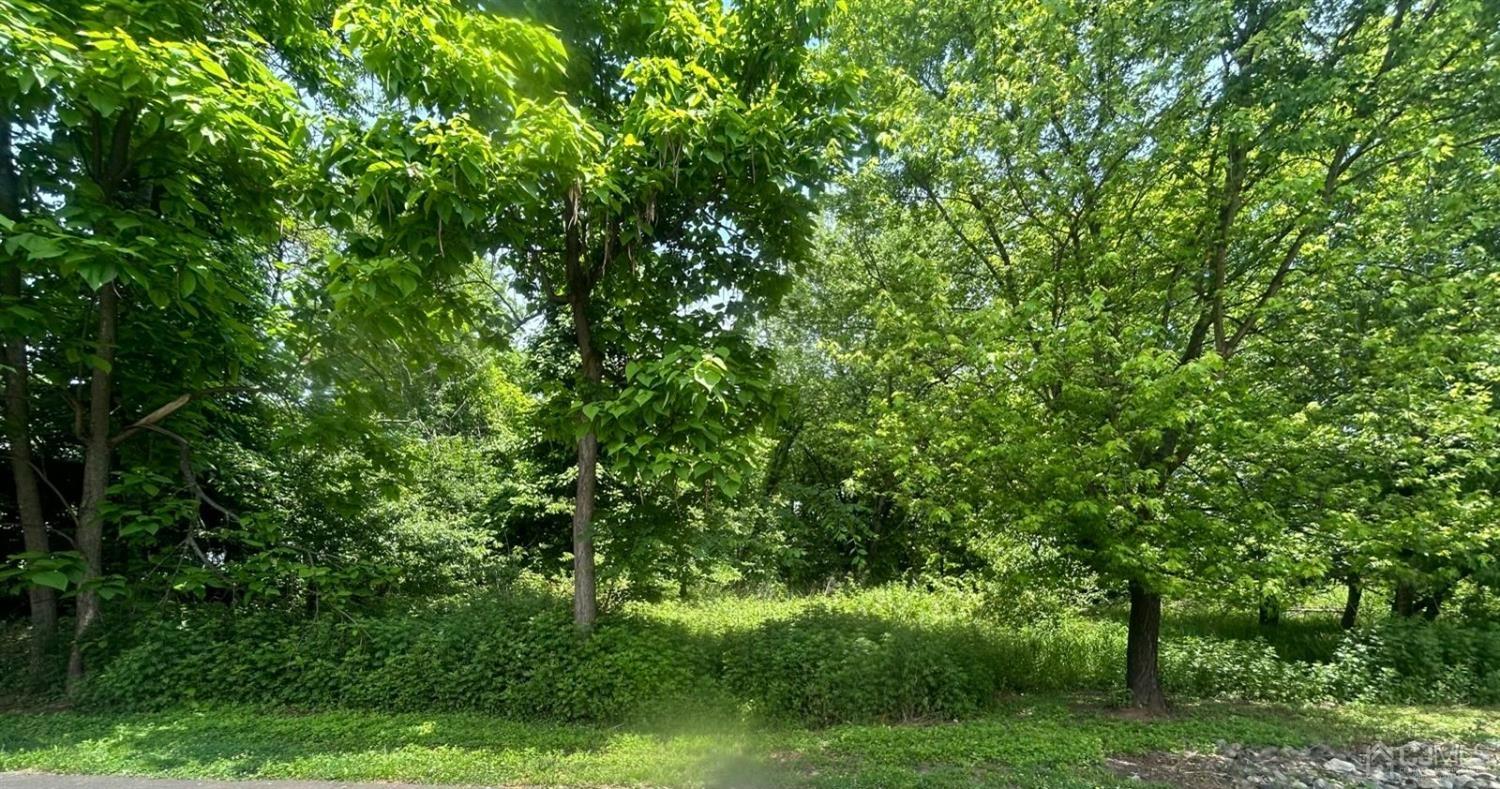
<point>335,330</point>
<point>886,654</point>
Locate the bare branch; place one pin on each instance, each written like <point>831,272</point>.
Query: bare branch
<point>161,413</point>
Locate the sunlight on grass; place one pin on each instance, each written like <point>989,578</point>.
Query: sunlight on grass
<point>1047,741</point>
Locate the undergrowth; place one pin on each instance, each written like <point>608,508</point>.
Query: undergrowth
<point>888,654</point>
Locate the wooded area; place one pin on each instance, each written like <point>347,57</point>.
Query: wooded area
<point>862,360</point>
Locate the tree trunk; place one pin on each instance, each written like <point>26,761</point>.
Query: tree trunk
<point>591,368</point>
<point>43,600</point>
<point>584,594</point>
<point>1351,605</point>
<point>1270,612</point>
<point>1404,601</point>
<point>28,495</point>
<point>1141,675</point>
<point>96,468</point>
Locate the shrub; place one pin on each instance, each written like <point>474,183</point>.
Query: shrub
<point>882,654</point>
<point>826,666</point>
<point>1249,670</point>
<point>506,657</point>
<point>1417,661</point>
<point>19,682</point>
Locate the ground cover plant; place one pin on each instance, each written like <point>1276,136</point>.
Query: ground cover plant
<point>1037,742</point>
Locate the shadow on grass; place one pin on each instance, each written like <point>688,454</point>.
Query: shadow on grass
<point>1048,741</point>
<point>448,748</point>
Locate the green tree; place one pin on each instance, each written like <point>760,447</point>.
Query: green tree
<point>1106,213</point>
<point>38,56</point>
<point>149,151</point>
<point>650,175</point>
<point>1390,419</point>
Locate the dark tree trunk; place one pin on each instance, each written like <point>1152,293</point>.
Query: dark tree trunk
<point>28,495</point>
<point>43,600</point>
<point>1270,612</point>
<point>1404,601</point>
<point>591,368</point>
<point>1351,605</point>
<point>96,467</point>
<point>1142,677</point>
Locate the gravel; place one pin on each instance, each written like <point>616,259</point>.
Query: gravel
<point>1419,764</point>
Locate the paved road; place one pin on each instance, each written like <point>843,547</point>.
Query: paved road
<point>36,781</point>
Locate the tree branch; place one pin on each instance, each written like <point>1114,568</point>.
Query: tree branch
<point>156,417</point>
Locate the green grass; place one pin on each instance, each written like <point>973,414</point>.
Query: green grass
<point>1049,741</point>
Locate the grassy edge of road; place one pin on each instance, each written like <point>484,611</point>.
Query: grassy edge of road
<point>1037,741</point>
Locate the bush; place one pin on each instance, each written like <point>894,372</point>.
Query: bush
<point>826,666</point>
<point>1247,670</point>
<point>881,654</point>
<point>19,683</point>
<point>518,658</point>
<point>1417,661</point>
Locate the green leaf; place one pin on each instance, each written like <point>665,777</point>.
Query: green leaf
<point>39,247</point>
<point>51,578</point>
<point>97,275</point>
